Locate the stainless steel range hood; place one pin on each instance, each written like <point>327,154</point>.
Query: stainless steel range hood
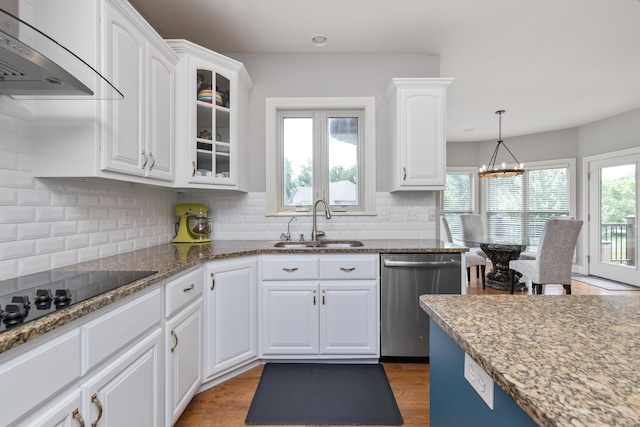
<point>34,66</point>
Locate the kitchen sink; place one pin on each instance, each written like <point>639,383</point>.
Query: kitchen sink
<point>320,244</point>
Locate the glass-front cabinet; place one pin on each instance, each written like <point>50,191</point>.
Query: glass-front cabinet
<point>212,104</point>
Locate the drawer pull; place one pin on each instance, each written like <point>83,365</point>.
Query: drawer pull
<point>213,281</point>
<point>96,401</point>
<point>190,288</point>
<point>314,297</point>
<point>76,416</point>
<point>290,269</point>
<point>175,336</point>
<point>347,269</point>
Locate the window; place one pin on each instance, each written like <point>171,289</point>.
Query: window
<point>320,148</point>
<point>458,197</point>
<point>519,206</point>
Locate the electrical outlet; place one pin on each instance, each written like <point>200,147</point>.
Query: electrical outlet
<point>412,213</point>
<point>383,214</point>
<point>126,218</point>
<point>431,213</point>
<point>479,380</point>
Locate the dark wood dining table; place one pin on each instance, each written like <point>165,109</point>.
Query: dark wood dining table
<point>500,251</point>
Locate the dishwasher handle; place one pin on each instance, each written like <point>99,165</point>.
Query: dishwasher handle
<point>420,264</point>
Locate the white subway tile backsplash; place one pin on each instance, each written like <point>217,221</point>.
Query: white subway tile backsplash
<point>34,264</point>
<point>8,232</point>
<point>34,230</point>
<point>64,258</point>
<point>8,269</point>
<point>17,250</point>
<point>54,244</point>
<point>17,214</point>
<point>77,241</point>
<point>50,213</point>
<point>34,197</point>
<point>64,228</point>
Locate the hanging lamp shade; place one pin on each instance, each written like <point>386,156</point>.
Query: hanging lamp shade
<point>501,171</point>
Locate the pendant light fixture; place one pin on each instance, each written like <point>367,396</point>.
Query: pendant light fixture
<point>493,171</point>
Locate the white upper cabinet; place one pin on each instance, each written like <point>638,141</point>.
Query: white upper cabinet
<point>417,126</point>
<point>211,123</point>
<point>130,139</point>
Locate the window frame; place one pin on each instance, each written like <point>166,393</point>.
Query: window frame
<point>366,153</point>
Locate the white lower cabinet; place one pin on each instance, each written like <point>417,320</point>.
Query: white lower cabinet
<point>127,392</point>
<point>326,316</point>
<point>105,372</point>
<point>183,342</point>
<point>231,315</point>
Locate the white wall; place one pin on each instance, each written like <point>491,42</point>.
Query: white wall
<point>47,223</point>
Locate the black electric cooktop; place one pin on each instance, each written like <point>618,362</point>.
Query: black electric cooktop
<point>26,298</point>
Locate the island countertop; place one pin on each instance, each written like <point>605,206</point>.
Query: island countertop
<point>172,259</point>
<point>571,360</point>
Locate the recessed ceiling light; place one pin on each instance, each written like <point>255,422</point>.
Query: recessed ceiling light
<point>319,40</point>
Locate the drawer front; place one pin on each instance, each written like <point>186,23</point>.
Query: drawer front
<point>33,377</point>
<point>112,331</point>
<point>349,267</point>
<point>290,268</point>
<point>182,291</point>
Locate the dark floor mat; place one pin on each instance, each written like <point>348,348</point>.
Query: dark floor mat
<point>323,394</point>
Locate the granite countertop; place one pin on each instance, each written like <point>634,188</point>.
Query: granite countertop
<point>171,259</point>
<point>568,360</point>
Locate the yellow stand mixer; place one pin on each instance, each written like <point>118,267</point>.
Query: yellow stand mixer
<point>194,224</point>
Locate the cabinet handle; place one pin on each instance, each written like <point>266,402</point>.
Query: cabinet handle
<point>290,269</point>
<point>146,159</point>
<point>76,416</point>
<point>347,269</point>
<point>96,401</point>
<point>190,288</point>
<point>323,297</point>
<point>404,174</point>
<point>175,336</point>
<point>193,171</point>
<point>213,281</point>
<point>153,160</point>
<point>314,297</point>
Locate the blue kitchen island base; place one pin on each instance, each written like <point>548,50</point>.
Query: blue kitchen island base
<point>454,402</point>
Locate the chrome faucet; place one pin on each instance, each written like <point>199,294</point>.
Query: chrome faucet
<point>314,230</point>
<point>287,236</point>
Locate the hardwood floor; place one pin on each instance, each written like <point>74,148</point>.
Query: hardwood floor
<point>227,404</point>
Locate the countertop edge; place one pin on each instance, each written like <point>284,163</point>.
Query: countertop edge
<point>173,259</point>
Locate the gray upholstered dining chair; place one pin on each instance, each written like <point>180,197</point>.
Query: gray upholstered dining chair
<point>554,258</point>
<point>472,229</point>
<point>472,258</point>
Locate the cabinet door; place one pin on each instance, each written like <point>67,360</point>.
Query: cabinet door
<point>290,320</point>
<point>160,142</point>
<point>63,413</point>
<point>349,317</point>
<point>422,140</point>
<point>231,319</point>
<point>127,391</point>
<point>123,140</point>
<point>183,359</point>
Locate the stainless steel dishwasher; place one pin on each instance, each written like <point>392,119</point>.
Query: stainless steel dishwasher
<point>404,277</point>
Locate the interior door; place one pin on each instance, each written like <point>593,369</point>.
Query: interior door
<point>613,227</point>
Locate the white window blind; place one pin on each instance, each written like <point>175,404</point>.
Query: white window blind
<point>458,199</point>
<point>519,206</point>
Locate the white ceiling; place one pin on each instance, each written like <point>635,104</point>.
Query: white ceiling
<point>551,64</point>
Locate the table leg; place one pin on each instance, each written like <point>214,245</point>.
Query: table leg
<point>498,277</point>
